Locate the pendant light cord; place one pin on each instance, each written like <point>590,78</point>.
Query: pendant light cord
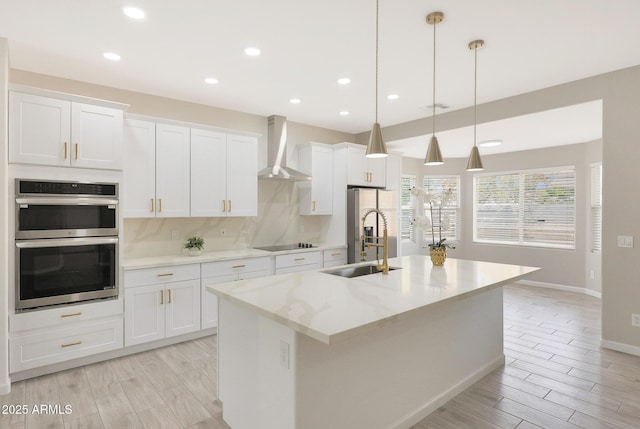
<point>433,115</point>
<point>475,93</point>
<point>377,14</point>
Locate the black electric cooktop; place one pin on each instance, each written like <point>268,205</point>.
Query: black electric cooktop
<point>282,247</point>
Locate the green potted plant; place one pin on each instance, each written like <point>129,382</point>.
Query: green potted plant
<point>437,249</point>
<point>194,245</point>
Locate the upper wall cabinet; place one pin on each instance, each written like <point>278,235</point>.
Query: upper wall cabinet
<point>224,174</point>
<point>156,169</point>
<point>316,195</point>
<point>50,131</point>
<point>363,171</point>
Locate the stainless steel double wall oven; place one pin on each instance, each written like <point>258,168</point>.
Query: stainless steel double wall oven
<point>66,242</point>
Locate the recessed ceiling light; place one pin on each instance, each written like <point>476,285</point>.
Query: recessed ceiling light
<point>344,81</point>
<point>490,143</point>
<point>344,112</point>
<point>294,101</point>
<point>211,80</point>
<point>133,12</point>
<point>393,96</point>
<point>111,56</point>
<point>252,51</point>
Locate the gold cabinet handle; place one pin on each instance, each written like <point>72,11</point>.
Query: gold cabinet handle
<point>366,177</point>
<point>336,254</point>
<point>71,314</point>
<point>159,205</point>
<point>224,206</point>
<point>314,207</point>
<point>76,151</point>
<point>165,275</point>
<point>65,150</point>
<point>299,259</point>
<point>71,344</point>
<point>169,290</point>
<point>153,208</point>
<point>229,206</point>
<point>161,297</point>
<point>238,266</point>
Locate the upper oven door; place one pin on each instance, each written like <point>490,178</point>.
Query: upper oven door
<point>59,217</point>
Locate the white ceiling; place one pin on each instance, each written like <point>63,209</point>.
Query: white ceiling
<point>307,45</point>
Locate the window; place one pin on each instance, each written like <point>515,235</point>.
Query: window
<point>407,207</point>
<point>532,207</point>
<point>450,214</point>
<point>596,207</point>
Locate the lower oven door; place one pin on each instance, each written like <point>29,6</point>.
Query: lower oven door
<point>63,271</point>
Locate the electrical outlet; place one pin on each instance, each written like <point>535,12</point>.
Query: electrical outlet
<point>175,234</point>
<point>625,241</point>
<point>635,320</point>
<point>223,232</point>
<point>592,274</point>
<point>284,354</point>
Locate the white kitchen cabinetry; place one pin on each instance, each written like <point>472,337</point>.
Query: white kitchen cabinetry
<point>156,172</point>
<point>316,195</point>
<point>50,131</point>
<point>227,271</point>
<point>334,257</point>
<point>58,334</point>
<point>301,261</point>
<point>223,174</point>
<point>363,171</point>
<point>161,303</point>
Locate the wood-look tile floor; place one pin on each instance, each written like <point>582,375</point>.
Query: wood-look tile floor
<point>556,376</point>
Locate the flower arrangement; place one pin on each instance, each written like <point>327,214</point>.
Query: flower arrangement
<point>194,242</point>
<point>436,202</point>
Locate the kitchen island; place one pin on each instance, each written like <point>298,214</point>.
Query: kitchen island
<point>314,350</point>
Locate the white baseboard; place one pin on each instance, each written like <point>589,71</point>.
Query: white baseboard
<point>575,289</point>
<point>422,412</point>
<point>620,347</point>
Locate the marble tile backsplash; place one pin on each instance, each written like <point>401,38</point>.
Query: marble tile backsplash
<point>278,222</point>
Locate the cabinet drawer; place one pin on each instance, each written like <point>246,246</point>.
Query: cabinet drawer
<point>147,276</point>
<point>331,255</point>
<point>63,316</point>
<point>235,266</point>
<point>297,259</point>
<point>51,346</point>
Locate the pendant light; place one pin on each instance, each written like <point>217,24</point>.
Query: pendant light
<point>376,147</point>
<point>475,163</point>
<point>434,157</point>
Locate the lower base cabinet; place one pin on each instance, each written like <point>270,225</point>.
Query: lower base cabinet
<point>161,310</point>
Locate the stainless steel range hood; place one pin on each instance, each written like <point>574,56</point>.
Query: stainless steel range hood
<point>277,154</point>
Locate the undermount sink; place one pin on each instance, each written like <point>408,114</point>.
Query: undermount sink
<point>357,271</point>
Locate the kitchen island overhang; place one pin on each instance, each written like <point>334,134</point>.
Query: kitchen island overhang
<point>314,350</point>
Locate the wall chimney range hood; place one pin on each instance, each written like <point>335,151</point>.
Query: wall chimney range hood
<point>277,154</point>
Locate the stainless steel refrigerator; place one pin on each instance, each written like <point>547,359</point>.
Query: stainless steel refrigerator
<point>359,200</point>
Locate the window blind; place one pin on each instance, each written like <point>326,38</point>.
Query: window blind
<point>437,185</point>
<point>596,207</point>
<point>533,207</point>
<point>407,207</point>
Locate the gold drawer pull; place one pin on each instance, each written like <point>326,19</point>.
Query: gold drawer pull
<point>229,206</point>
<point>161,297</point>
<point>314,207</point>
<point>238,266</point>
<point>336,254</point>
<point>299,259</point>
<point>76,151</point>
<point>165,275</point>
<point>224,206</point>
<point>71,314</point>
<point>160,205</point>
<point>169,290</point>
<point>65,150</point>
<point>153,208</point>
<point>71,344</point>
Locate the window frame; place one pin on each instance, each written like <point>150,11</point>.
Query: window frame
<point>411,207</point>
<point>522,220</point>
<point>426,236</point>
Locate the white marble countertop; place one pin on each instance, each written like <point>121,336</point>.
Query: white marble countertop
<point>221,255</point>
<point>329,308</point>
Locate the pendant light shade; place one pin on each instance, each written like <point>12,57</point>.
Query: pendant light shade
<point>475,163</point>
<point>376,147</point>
<point>434,156</point>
